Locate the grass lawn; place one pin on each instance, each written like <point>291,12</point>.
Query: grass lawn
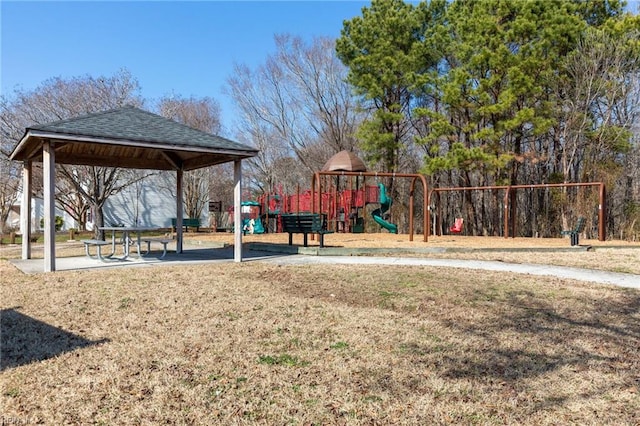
<point>256,343</point>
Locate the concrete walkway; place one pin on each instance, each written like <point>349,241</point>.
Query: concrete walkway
<point>190,256</point>
<point>219,255</point>
<point>588,275</point>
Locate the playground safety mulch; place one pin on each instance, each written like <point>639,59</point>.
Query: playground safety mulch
<point>385,239</point>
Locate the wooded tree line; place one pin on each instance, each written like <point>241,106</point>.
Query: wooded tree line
<point>471,93</point>
<point>499,92</point>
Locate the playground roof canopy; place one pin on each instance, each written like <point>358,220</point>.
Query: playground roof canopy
<point>344,161</point>
<point>129,137</point>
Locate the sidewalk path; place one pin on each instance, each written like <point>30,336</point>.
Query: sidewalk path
<point>589,275</point>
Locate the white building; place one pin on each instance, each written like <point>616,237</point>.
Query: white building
<point>37,216</point>
<point>147,203</point>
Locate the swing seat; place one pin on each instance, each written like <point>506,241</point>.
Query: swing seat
<point>457,226</point>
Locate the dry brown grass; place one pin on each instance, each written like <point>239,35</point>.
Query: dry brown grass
<point>257,343</point>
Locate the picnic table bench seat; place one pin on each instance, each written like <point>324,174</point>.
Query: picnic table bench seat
<point>95,243</point>
<point>305,223</point>
<point>163,241</point>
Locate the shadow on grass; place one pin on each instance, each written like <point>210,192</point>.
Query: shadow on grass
<point>507,334</point>
<point>557,337</point>
<point>25,340</point>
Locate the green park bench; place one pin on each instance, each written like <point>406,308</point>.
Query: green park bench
<point>576,231</point>
<point>186,222</point>
<point>305,223</point>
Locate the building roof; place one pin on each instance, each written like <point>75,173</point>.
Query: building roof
<point>129,137</point>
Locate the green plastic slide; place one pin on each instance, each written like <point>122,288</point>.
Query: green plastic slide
<point>257,227</point>
<point>385,205</point>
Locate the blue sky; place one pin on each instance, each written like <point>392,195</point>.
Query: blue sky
<point>185,48</point>
<point>171,47</point>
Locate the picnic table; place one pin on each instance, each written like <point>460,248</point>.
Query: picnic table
<point>131,235</point>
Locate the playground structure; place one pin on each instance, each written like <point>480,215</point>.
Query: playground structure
<point>264,214</point>
<point>251,223</point>
<point>383,199</point>
<point>343,209</point>
<point>340,192</point>
<point>343,203</point>
<point>385,205</point>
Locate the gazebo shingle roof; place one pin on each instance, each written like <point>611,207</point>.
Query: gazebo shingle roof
<point>130,137</point>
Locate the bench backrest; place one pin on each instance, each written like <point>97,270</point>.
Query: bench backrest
<point>580,225</point>
<point>304,222</point>
<point>186,221</point>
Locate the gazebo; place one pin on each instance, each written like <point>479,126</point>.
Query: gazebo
<point>126,137</point>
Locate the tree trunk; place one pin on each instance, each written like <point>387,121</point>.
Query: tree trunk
<point>98,221</point>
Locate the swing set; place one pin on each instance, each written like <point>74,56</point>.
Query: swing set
<point>510,205</point>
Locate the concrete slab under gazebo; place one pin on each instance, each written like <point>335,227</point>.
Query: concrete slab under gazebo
<point>126,137</point>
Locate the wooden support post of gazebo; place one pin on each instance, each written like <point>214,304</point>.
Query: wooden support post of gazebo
<point>25,219</point>
<point>237,217</point>
<point>49,184</point>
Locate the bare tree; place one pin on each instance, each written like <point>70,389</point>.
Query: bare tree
<point>221,184</point>
<point>97,184</point>
<point>297,104</point>
<point>68,198</point>
<point>202,114</point>
<point>59,99</point>
<point>600,107</point>
<point>198,113</point>
<point>262,176</point>
<point>9,189</point>
<point>11,129</point>
<point>319,91</point>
